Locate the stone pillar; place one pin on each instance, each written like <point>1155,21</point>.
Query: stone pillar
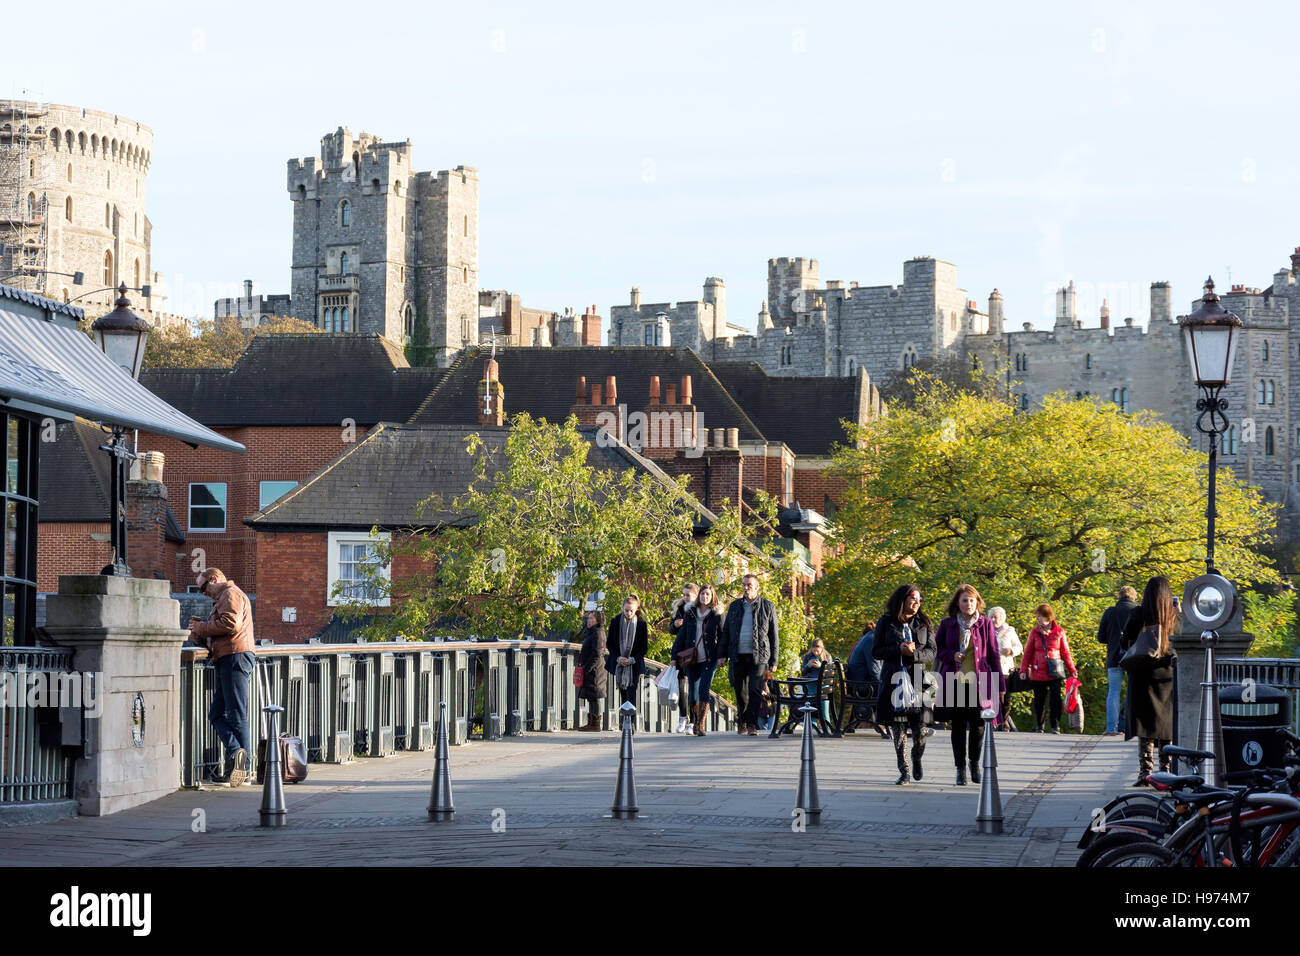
<point>123,630</point>
<point>1233,642</point>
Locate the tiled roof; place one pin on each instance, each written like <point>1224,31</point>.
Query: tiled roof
<point>542,382</point>
<point>804,413</point>
<point>74,475</point>
<point>41,302</point>
<point>300,379</point>
<point>384,479</point>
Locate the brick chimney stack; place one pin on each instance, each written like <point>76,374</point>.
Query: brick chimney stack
<point>1105,315</point>
<point>491,397</point>
<point>601,408</point>
<point>591,328</point>
<point>671,423</point>
<point>147,551</point>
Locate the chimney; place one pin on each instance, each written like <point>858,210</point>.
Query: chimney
<point>602,409</point>
<point>672,425</point>
<point>996,321</point>
<point>670,394</point>
<point>1105,315</point>
<point>591,328</point>
<point>248,289</point>
<point>582,391</point>
<point>1161,307</point>
<point>1065,305</point>
<point>148,552</point>
<point>654,389</point>
<point>611,391</point>
<point>491,397</point>
<point>636,298</point>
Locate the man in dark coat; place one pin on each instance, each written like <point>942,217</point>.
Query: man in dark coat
<point>750,644</point>
<point>1111,633</point>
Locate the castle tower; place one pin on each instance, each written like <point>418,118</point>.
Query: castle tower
<point>786,278</point>
<point>1161,307</point>
<point>715,292</point>
<point>380,247</point>
<point>997,323</point>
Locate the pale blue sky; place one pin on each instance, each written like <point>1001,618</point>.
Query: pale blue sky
<point>1027,143</point>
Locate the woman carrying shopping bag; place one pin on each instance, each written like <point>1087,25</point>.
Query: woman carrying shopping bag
<point>1009,648</point>
<point>905,642</point>
<point>1047,662</point>
<point>696,652</point>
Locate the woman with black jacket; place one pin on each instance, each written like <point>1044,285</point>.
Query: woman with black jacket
<point>592,659</point>
<point>905,643</point>
<point>676,621</point>
<point>697,645</point>
<point>1151,684</point>
<point>628,641</point>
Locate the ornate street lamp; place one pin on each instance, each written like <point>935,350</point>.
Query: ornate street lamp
<point>121,334</point>
<point>1211,334</point>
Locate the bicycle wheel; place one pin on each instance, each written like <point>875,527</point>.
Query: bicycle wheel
<point>1137,854</point>
<point>1107,842</point>
<point>1149,805</point>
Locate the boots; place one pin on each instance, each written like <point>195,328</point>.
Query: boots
<point>975,771</point>
<point>593,721</point>
<point>917,751</point>
<point>961,775</point>
<point>702,711</point>
<point>903,776</point>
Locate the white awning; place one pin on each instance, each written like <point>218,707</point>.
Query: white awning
<point>47,368</point>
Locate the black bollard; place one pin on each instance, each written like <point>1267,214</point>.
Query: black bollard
<point>988,819</point>
<point>807,798</point>
<point>273,812</point>
<point>625,807</point>
<point>440,807</point>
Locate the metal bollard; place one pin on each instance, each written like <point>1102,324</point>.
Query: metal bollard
<point>273,812</point>
<point>440,807</point>
<point>806,800</point>
<point>988,818</point>
<point>625,807</point>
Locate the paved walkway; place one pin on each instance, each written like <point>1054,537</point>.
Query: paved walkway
<point>542,799</point>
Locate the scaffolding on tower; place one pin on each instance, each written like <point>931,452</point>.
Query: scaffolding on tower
<point>24,202</point>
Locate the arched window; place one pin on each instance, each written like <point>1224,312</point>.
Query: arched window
<point>67,209</point>
<point>1270,392</point>
<point>343,264</point>
<point>909,358</point>
<point>1263,351</point>
<point>343,320</point>
<point>1268,441</point>
<point>54,138</point>
<point>81,141</point>
<point>108,268</point>
<point>853,368</point>
<point>31,205</point>
<point>1259,392</point>
<point>397,187</point>
<point>356,165</point>
<point>1123,399</point>
<point>345,214</point>
<point>408,322</point>
<point>69,172</point>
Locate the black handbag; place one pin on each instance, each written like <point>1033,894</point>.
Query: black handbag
<point>1055,666</point>
<point>1144,651</point>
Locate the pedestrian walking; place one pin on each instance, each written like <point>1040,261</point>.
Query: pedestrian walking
<point>592,656</point>
<point>1151,681</point>
<point>696,652</point>
<point>905,643</point>
<point>1110,631</point>
<point>1046,663</point>
<point>1009,648</point>
<point>970,677</point>
<point>228,636</point>
<point>676,620</point>
<point>750,645</point>
<point>627,643</point>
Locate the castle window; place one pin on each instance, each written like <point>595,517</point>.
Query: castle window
<point>787,355</point>
<point>69,172</point>
<point>467,225</point>
<point>1259,392</point>
<point>356,166</point>
<point>1120,397</point>
<point>952,321</point>
<point>1087,360</point>
<point>31,257</point>
<point>135,225</point>
<point>108,180</point>
<point>397,187</point>
<point>408,322</point>
<point>909,358</point>
<point>108,268</point>
<point>853,368</point>
<point>343,264</point>
<point>1268,441</point>
<point>1269,392</point>
<point>67,209</point>
<point>343,320</point>
<point>31,205</point>
<point>1230,444</point>
<point>345,214</point>
<point>108,216</point>
<point>1078,395</point>
<point>1024,402</point>
<point>1263,351</point>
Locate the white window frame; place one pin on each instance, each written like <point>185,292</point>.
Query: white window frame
<point>559,593</point>
<point>225,509</point>
<point>261,491</point>
<point>338,538</point>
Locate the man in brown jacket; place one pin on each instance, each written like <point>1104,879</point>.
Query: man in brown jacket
<point>228,636</point>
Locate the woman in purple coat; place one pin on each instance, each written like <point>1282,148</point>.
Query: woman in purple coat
<point>970,677</point>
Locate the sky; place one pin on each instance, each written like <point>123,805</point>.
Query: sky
<point>1112,144</point>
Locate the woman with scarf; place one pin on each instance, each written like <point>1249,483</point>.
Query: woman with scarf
<point>1046,662</point>
<point>970,677</point>
<point>1009,648</point>
<point>696,652</point>
<point>629,637</point>
<point>676,621</point>
<point>592,659</point>
<point>905,642</point>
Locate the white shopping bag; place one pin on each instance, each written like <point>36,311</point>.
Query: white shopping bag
<point>667,684</point>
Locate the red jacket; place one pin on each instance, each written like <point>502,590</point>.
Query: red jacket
<point>1034,664</point>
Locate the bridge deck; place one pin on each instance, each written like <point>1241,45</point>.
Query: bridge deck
<point>717,800</point>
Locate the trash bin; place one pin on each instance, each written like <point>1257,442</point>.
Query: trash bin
<point>1251,714</point>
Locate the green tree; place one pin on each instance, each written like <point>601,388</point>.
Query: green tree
<point>1063,504</point>
<point>213,344</point>
<point>536,511</point>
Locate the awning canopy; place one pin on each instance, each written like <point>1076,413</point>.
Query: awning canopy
<point>47,369</point>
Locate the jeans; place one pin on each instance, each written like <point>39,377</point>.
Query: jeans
<point>701,679</point>
<point>749,681</point>
<point>229,711</point>
<point>1114,691</point>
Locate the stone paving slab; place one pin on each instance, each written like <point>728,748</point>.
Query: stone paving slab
<point>719,800</point>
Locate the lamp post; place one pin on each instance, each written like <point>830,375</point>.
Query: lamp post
<point>1211,335</point>
<point>121,335</point>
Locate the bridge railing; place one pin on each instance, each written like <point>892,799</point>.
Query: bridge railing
<point>347,700</point>
<point>35,766</point>
<point>1280,672</point>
